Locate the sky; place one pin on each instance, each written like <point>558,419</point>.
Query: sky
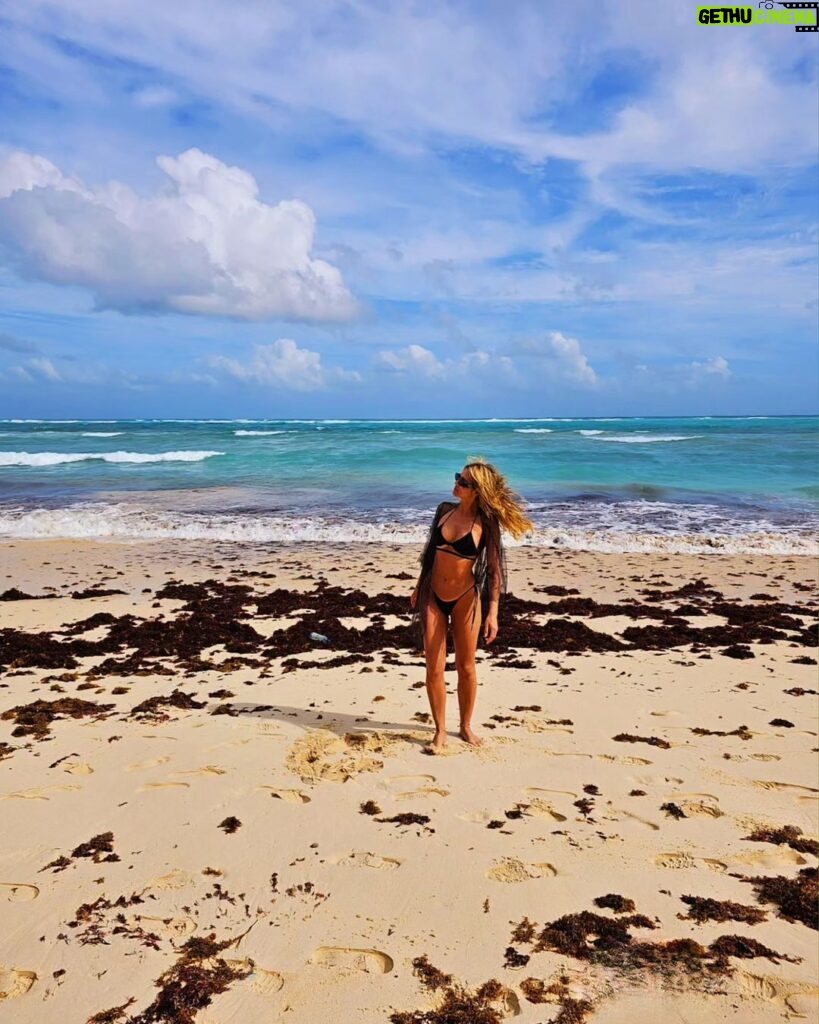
<point>395,209</point>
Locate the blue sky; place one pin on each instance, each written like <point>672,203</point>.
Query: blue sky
<point>403,209</point>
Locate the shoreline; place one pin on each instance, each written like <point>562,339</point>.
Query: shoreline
<point>329,908</point>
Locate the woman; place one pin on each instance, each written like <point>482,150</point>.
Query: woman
<point>463,572</point>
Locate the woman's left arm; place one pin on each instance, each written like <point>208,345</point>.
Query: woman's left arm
<point>494,573</point>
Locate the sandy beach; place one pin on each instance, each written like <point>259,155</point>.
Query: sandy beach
<point>207,815</point>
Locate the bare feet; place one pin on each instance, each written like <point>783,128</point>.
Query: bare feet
<point>438,743</point>
<point>469,737</point>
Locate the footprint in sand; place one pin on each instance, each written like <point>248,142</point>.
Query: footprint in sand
<point>541,802</point>
<point>636,817</point>
<point>680,861</point>
<point>153,763</point>
<point>366,961</point>
<point>207,769</point>
<point>413,787</point>
<point>163,785</point>
<point>14,982</point>
<point>623,759</point>
<point>78,768</point>
<point>364,859</point>
<point>477,817</point>
<point>787,787</point>
<point>14,892</point>
<point>698,805</point>
<point>536,804</point>
<point>779,858</point>
<point>176,879</point>
<point>268,729</point>
<point>291,796</point>
<point>262,981</point>
<point>799,997</point>
<point>40,793</point>
<point>169,927</point>
<point>512,869</point>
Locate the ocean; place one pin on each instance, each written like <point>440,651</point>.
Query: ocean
<point>699,484</point>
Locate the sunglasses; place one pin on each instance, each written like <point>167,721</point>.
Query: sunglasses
<point>463,482</point>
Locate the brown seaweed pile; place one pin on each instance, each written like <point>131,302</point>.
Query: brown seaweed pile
<point>702,908</point>
<point>99,849</point>
<point>653,741</point>
<point>189,985</point>
<point>795,899</point>
<point>458,1005</point>
<point>150,710</point>
<point>788,835</point>
<point>612,901</point>
<point>35,719</point>
<point>216,614</point>
<point>608,942</point>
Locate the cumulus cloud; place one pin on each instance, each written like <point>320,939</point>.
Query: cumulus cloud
<point>411,359</point>
<point>716,366</point>
<point>563,356</point>
<point>205,244</point>
<point>283,364</point>
<point>419,362</point>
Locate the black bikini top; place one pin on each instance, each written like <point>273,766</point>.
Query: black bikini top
<point>463,547</point>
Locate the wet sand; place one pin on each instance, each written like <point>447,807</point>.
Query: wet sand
<point>204,811</point>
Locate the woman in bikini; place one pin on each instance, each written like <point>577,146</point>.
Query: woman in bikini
<point>463,573</point>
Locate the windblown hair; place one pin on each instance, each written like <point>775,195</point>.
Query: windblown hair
<point>496,499</point>
<point>499,509</point>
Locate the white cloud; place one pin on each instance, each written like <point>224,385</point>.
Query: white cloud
<point>203,245</point>
<point>717,366</point>
<point>472,368</point>
<point>283,364</point>
<point>562,355</point>
<point>412,359</point>
<point>44,368</point>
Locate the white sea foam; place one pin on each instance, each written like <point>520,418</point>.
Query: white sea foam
<point>533,430</point>
<point>590,433</point>
<point>259,433</point>
<point>635,439</point>
<point>59,458</point>
<point>127,522</point>
<point>101,433</point>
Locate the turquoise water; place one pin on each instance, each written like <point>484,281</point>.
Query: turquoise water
<point>748,483</point>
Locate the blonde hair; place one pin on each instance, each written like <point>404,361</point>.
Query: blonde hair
<point>496,498</point>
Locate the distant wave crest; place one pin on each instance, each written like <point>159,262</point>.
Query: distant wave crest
<point>638,439</point>
<point>60,458</point>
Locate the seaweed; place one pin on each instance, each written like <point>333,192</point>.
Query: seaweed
<point>702,908</point>
<point>794,898</point>
<point>673,811</point>
<point>512,958</point>
<point>458,1005</point>
<point>35,719</point>
<point>619,904</point>
<point>653,741</point>
<point>788,835</point>
<point>191,983</point>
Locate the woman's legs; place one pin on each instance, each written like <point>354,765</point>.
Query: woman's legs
<point>466,626</point>
<point>435,654</point>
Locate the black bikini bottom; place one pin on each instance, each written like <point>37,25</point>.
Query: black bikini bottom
<point>447,606</point>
